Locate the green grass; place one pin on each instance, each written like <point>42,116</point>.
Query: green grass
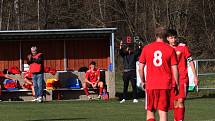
<point>199,107</point>
<point>197,110</point>
<point>207,81</point>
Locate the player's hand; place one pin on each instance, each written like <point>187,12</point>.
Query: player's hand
<point>143,85</point>
<point>196,81</point>
<point>121,44</point>
<point>176,90</point>
<point>29,57</point>
<point>94,85</point>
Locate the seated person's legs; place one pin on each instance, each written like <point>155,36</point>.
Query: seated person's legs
<point>85,86</point>
<point>100,86</point>
<point>28,84</point>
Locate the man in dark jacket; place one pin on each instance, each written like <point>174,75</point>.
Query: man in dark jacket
<point>36,62</point>
<point>130,57</point>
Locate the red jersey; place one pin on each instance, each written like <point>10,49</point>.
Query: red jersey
<point>93,76</point>
<point>183,54</point>
<point>158,57</point>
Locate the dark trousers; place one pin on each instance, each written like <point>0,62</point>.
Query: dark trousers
<point>129,76</point>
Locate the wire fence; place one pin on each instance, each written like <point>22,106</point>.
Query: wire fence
<point>206,73</point>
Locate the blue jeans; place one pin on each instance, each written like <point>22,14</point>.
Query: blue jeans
<point>38,84</point>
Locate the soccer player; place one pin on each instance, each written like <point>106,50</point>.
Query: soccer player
<point>161,65</point>
<point>93,80</point>
<point>183,57</point>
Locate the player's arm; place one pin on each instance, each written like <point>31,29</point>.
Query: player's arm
<point>121,51</point>
<point>9,77</point>
<point>142,74</point>
<point>87,77</point>
<point>192,65</point>
<point>175,74</point>
<point>98,78</point>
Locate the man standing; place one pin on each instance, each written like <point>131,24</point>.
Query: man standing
<point>36,62</point>
<point>130,57</point>
<point>160,60</point>
<point>183,57</point>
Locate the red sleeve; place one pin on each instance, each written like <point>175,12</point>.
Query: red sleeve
<point>173,58</point>
<point>2,74</point>
<point>98,73</point>
<point>142,58</point>
<point>187,52</point>
<point>87,75</point>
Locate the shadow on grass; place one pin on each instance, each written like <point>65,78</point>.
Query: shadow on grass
<point>202,96</point>
<point>140,94</point>
<point>58,119</point>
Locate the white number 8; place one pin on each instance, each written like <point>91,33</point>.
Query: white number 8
<point>157,58</point>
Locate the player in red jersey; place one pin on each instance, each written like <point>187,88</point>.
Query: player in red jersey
<point>93,80</point>
<point>161,63</point>
<point>183,57</point>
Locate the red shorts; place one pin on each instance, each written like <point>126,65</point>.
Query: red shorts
<point>157,99</point>
<point>183,90</point>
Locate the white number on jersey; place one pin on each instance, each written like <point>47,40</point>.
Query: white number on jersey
<point>157,58</point>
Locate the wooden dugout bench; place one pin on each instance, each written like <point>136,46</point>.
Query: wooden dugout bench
<point>60,93</point>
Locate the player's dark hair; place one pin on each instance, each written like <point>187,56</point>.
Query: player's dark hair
<point>171,32</point>
<point>160,32</point>
<point>93,63</point>
<point>182,40</point>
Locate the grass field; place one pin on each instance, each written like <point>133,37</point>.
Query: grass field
<point>200,109</point>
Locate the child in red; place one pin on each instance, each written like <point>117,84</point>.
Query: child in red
<point>28,83</point>
<point>93,80</point>
<point>183,57</point>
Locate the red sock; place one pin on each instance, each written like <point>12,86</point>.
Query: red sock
<point>176,114</point>
<point>151,119</point>
<point>181,114</point>
<point>86,91</point>
<point>100,90</point>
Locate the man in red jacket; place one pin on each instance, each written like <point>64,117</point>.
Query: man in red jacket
<point>36,62</point>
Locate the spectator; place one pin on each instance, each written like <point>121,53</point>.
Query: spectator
<point>130,57</point>
<point>161,62</point>
<point>36,62</point>
<point>93,80</point>
<point>4,75</point>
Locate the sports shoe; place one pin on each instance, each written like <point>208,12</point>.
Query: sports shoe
<point>90,98</point>
<point>40,99</point>
<point>99,97</point>
<point>122,101</point>
<point>135,101</point>
<point>34,100</point>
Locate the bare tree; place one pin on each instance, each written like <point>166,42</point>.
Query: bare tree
<point>16,9</point>
<point>38,14</point>
<point>1,14</point>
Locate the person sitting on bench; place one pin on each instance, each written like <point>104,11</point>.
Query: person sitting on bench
<point>28,82</point>
<point>4,75</point>
<point>93,80</point>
